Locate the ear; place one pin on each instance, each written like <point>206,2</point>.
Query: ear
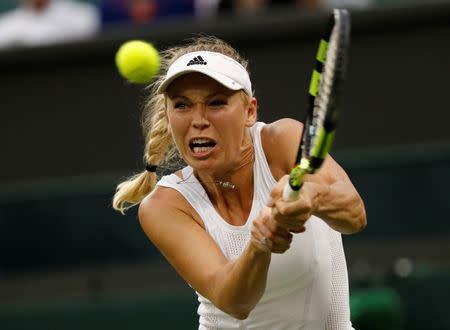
<point>252,112</point>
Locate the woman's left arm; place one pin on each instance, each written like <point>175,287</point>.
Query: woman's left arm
<point>328,193</point>
<point>337,201</point>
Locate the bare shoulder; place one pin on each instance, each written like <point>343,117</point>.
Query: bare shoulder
<point>162,203</point>
<point>280,141</point>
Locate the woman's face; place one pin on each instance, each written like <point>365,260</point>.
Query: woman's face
<point>208,122</point>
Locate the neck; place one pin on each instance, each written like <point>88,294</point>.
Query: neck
<point>239,177</point>
<point>233,204</point>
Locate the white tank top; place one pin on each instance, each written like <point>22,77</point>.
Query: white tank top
<point>307,286</point>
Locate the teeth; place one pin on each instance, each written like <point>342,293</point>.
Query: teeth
<point>201,149</point>
<point>200,140</point>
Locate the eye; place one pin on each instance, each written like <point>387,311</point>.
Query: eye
<point>180,105</point>
<point>217,103</point>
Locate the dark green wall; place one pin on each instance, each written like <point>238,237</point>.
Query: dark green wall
<point>67,112</point>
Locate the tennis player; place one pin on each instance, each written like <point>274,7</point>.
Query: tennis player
<point>254,260</point>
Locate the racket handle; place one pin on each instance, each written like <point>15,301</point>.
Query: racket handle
<point>290,194</point>
<point>293,186</point>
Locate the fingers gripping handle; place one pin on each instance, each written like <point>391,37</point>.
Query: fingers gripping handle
<point>293,186</point>
<point>290,194</point>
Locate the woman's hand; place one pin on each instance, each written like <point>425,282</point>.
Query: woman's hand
<point>268,235</point>
<point>292,215</point>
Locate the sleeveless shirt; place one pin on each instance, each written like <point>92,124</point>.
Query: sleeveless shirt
<point>307,286</point>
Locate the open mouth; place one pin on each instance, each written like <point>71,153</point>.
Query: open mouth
<point>201,145</point>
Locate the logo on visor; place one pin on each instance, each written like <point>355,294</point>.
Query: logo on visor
<point>197,60</point>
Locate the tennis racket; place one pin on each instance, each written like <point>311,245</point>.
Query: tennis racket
<point>325,92</point>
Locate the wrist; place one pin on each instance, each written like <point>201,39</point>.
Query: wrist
<point>260,247</point>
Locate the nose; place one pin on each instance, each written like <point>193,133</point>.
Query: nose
<point>200,117</point>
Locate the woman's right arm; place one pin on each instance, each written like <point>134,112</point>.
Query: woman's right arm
<point>233,286</point>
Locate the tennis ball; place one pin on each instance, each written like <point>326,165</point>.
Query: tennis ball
<point>137,61</point>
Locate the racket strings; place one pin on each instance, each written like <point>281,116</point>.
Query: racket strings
<point>324,115</point>
<point>324,96</point>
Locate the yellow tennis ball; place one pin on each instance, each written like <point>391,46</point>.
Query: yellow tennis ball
<point>137,61</point>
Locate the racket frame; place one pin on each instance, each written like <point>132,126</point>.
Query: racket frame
<point>324,97</point>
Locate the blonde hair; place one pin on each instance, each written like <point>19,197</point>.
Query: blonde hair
<point>159,147</point>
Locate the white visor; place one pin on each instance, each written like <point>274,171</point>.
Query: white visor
<point>219,67</point>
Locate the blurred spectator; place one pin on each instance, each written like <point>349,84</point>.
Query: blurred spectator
<point>40,22</point>
<point>206,8</point>
<point>143,11</point>
<point>251,6</point>
<point>128,11</point>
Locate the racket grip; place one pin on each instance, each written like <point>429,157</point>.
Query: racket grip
<point>290,194</point>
